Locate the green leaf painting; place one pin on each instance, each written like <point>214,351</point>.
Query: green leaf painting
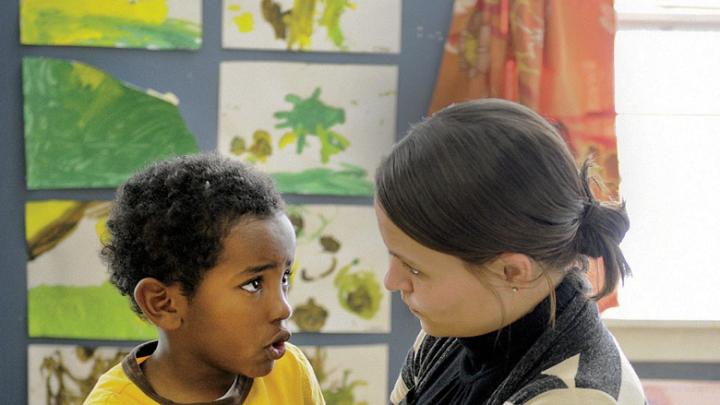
<point>320,129</point>
<point>149,24</point>
<point>84,128</point>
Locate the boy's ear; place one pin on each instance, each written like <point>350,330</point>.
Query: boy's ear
<point>161,304</point>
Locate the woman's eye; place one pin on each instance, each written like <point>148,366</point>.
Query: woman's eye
<point>253,285</point>
<point>412,270</point>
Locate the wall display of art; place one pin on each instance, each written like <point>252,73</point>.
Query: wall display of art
<point>339,266</point>
<point>351,375</point>
<point>148,24</point>
<point>65,374</point>
<point>675,392</point>
<point>336,286</point>
<point>69,293</point>
<point>317,129</point>
<point>310,25</point>
<point>84,128</point>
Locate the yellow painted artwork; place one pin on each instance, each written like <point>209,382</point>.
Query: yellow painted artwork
<point>149,24</point>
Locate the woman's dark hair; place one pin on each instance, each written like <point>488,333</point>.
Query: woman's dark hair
<point>169,220</point>
<point>485,177</point>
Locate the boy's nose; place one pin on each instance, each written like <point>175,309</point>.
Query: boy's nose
<point>282,309</point>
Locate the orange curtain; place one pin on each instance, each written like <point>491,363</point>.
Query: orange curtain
<point>554,56</point>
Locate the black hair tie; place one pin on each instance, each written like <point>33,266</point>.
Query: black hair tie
<point>588,240</point>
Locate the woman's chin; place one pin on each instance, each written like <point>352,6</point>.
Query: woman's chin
<point>432,330</point>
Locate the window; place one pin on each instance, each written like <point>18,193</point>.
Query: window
<point>667,84</point>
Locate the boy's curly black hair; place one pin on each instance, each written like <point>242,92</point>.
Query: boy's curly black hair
<point>169,220</point>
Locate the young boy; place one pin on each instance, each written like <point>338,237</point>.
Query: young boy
<point>203,249</point>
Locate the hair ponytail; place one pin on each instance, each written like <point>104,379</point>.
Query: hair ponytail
<point>602,227</point>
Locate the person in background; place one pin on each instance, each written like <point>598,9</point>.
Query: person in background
<point>489,224</point>
<point>202,247</point>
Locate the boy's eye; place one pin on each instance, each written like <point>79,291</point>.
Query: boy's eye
<point>253,285</point>
<point>286,277</point>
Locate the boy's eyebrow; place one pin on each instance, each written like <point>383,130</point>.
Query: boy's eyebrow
<point>262,267</point>
<point>259,268</point>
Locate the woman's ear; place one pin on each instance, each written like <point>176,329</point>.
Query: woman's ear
<point>518,269</point>
<point>161,304</point>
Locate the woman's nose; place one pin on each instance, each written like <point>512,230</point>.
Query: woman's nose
<point>396,278</point>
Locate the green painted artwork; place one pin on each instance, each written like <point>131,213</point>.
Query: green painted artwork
<point>308,117</point>
<point>351,180</point>
<point>311,116</point>
<point>320,129</point>
<point>339,264</point>
<point>86,129</point>
<point>358,292</point>
<point>69,295</point>
<point>84,313</point>
<point>149,24</point>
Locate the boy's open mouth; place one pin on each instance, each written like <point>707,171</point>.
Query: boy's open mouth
<point>276,349</point>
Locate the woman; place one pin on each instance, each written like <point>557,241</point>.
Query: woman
<point>489,226</point>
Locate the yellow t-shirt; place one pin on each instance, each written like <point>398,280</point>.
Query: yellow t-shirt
<point>292,381</point>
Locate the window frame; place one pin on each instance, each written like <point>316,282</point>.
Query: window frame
<point>661,340</point>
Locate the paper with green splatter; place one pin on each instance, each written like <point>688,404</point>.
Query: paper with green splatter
<point>69,293</point>
<point>148,24</point>
<point>350,375</point>
<point>313,25</point>
<point>86,129</point>
<point>338,272</point>
<point>317,129</point>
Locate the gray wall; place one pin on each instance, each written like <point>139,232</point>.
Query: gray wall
<point>193,77</point>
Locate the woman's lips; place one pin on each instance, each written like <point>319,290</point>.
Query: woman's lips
<point>413,310</point>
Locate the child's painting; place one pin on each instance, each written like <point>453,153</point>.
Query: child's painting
<point>86,129</point>
<point>148,24</point>
<point>65,374</point>
<point>681,392</point>
<point>69,293</point>
<point>339,266</point>
<point>311,25</point>
<point>317,129</point>
<point>351,375</point>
